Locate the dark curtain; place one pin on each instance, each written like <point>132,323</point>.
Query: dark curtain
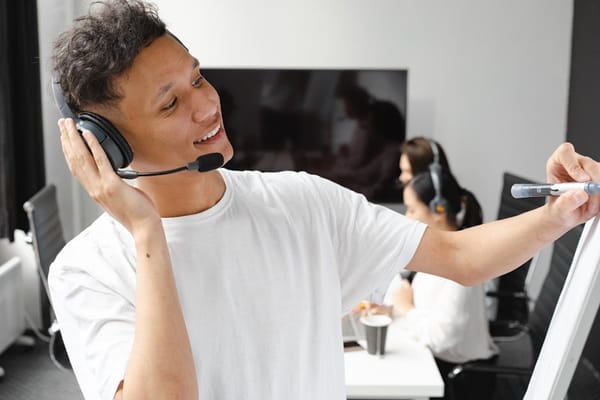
<point>22,171</point>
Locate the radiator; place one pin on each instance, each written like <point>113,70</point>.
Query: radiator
<point>12,307</point>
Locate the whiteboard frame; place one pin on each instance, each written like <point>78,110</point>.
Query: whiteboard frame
<point>571,321</point>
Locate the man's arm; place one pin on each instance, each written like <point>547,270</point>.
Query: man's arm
<point>473,255</point>
<point>161,364</point>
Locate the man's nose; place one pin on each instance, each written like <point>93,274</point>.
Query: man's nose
<point>204,107</point>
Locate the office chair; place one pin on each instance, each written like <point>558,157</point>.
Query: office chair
<point>48,239</point>
<point>585,384</point>
<point>518,353</point>
<point>513,302</point>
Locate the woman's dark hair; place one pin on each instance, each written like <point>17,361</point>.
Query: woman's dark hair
<point>100,46</point>
<point>419,153</point>
<point>457,198</point>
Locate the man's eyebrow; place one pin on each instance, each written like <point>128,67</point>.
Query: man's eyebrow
<point>165,88</point>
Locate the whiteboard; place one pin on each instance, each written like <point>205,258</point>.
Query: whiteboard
<point>571,322</point>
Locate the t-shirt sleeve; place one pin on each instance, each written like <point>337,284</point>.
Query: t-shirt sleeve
<point>97,325</point>
<point>373,243</point>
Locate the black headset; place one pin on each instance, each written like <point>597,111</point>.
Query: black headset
<point>112,141</point>
<point>438,204</point>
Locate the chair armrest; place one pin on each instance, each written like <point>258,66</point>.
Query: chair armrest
<point>506,328</point>
<point>461,372</point>
<point>513,295</point>
<point>488,368</point>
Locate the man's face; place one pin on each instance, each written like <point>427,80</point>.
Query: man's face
<point>169,113</point>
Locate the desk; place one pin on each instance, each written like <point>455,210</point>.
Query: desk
<point>407,371</point>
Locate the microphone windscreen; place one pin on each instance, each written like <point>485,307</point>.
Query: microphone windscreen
<point>208,162</point>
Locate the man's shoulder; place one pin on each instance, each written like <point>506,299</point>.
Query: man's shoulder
<point>96,244</point>
<point>103,228</point>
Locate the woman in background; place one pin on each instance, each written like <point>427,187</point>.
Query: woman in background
<point>448,318</point>
<point>417,154</point>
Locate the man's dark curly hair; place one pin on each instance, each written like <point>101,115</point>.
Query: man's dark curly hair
<point>100,46</point>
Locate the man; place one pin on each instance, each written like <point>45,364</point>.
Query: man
<point>224,284</point>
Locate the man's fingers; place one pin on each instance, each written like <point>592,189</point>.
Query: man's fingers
<point>74,149</point>
<point>591,167</point>
<point>70,135</point>
<point>570,207</point>
<point>566,157</point>
<point>578,167</point>
<point>84,154</point>
<point>573,200</point>
<point>63,138</point>
<point>98,153</point>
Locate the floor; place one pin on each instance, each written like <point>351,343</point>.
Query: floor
<point>30,374</point>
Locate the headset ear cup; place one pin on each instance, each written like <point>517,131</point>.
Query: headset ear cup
<point>114,144</point>
<point>438,206</point>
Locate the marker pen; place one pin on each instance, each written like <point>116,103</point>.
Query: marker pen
<point>523,190</point>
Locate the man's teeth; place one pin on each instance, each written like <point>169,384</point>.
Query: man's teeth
<point>211,133</point>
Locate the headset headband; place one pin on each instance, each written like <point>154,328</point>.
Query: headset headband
<point>438,204</point>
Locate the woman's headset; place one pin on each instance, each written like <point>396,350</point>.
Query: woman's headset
<point>438,204</point>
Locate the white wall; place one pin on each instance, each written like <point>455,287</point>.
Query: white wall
<point>76,209</point>
<point>488,79</point>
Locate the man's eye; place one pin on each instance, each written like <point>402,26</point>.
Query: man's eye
<point>170,105</point>
<point>198,81</point>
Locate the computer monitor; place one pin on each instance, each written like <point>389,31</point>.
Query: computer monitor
<point>343,124</point>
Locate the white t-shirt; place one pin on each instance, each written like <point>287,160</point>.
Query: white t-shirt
<point>263,278</point>
<point>448,318</point>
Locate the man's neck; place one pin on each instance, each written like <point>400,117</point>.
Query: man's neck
<point>185,193</point>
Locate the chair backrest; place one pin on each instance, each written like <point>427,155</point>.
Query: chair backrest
<point>585,384</point>
<point>510,309</point>
<point>509,206</point>
<point>47,237</point>
<point>562,256</point>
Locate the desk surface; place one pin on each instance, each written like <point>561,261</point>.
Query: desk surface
<point>407,371</point>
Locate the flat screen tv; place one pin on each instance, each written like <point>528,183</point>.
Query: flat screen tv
<point>345,125</point>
